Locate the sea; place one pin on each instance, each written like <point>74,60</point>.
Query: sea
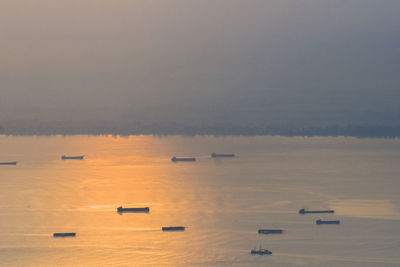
<point>222,202</point>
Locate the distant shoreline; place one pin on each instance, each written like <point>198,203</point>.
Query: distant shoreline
<point>360,131</point>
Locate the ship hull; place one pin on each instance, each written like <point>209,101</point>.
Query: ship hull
<point>215,155</point>
<point>175,159</point>
<point>133,210</point>
<point>303,211</point>
<point>327,222</point>
<point>261,252</point>
<point>270,231</point>
<point>64,234</point>
<point>173,229</point>
<point>8,163</point>
<point>75,157</point>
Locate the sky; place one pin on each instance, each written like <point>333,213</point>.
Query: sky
<point>299,63</point>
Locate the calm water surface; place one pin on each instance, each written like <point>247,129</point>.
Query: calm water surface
<point>222,202</point>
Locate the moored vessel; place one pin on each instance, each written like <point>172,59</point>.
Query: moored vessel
<point>72,157</point>
<point>215,155</point>
<point>121,209</point>
<point>64,234</point>
<point>8,163</point>
<point>270,231</point>
<point>173,228</point>
<point>175,159</point>
<point>303,211</point>
<point>327,222</point>
<point>261,251</point>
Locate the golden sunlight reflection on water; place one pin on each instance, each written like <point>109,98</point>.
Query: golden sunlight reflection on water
<point>222,202</point>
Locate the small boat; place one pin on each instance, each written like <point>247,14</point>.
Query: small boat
<point>261,251</point>
<point>121,209</point>
<point>8,163</point>
<point>327,222</point>
<point>173,228</point>
<point>215,155</point>
<point>72,157</point>
<point>64,234</point>
<point>303,211</point>
<point>175,159</point>
<point>270,231</point>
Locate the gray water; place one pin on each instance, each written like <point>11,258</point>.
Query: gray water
<point>222,202</point>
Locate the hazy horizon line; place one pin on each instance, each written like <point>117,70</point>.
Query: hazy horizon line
<point>358,131</point>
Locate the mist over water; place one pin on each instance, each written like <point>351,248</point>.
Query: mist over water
<point>139,67</point>
<point>222,202</point>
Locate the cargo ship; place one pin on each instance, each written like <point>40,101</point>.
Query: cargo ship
<point>173,228</point>
<point>261,251</point>
<point>175,159</point>
<point>270,231</point>
<point>72,157</point>
<point>64,234</point>
<point>327,222</point>
<point>303,211</point>
<point>8,163</point>
<point>215,155</point>
<point>121,209</point>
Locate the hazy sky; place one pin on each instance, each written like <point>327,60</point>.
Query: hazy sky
<point>298,62</point>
